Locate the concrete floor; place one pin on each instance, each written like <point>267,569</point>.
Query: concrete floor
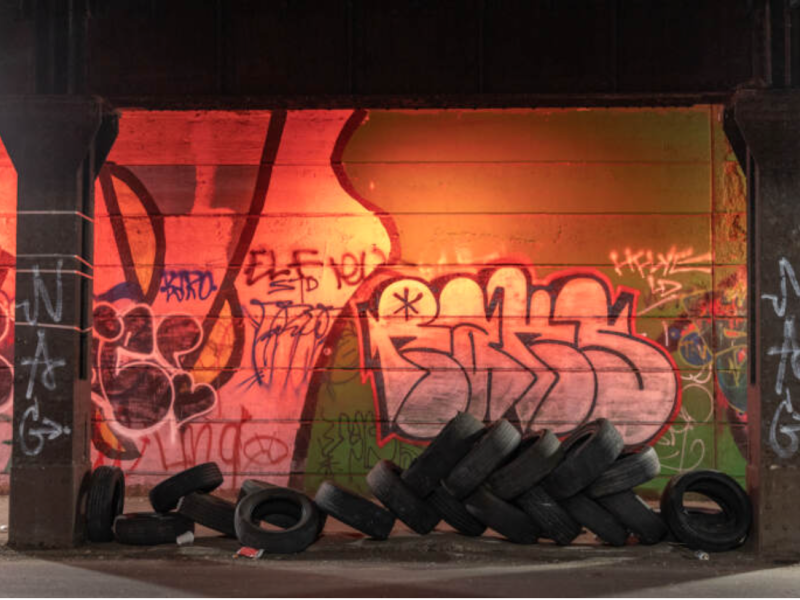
<point>344,563</point>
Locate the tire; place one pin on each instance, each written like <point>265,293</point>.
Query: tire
<point>150,529</point>
<point>253,485</point>
<point>354,510</point>
<point>284,514</point>
<point>635,514</point>
<point>555,522</point>
<point>454,513</point>
<point>494,447</point>
<point>506,519</point>
<point>588,452</point>
<point>703,531</point>
<point>628,471</point>
<point>594,517</point>
<point>709,518</point>
<point>105,503</point>
<point>536,456</point>
<point>443,453</point>
<point>385,482</point>
<point>205,477</point>
<point>209,511</point>
<point>257,506</point>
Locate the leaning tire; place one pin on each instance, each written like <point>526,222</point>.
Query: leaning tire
<point>454,513</point>
<point>594,517</point>
<point>205,477</point>
<point>250,486</point>
<point>209,511</point>
<point>588,452</point>
<point>506,519</point>
<point>491,450</point>
<point>385,482</point>
<point>699,530</point>
<point>635,514</point>
<point>259,505</point>
<point>354,510</point>
<point>104,503</point>
<point>536,456</point>
<point>443,453</point>
<point>555,522</point>
<point>150,529</point>
<point>628,471</point>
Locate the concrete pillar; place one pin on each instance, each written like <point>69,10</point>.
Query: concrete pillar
<point>57,144</point>
<point>770,124</point>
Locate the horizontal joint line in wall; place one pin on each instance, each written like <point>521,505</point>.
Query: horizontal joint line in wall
<point>455,369</point>
<point>394,213</point>
<point>485,265</point>
<point>352,419</point>
<point>56,271</point>
<point>565,162</point>
<point>53,326</point>
<point>46,255</point>
<point>465,162</point>
<point>48,213</point>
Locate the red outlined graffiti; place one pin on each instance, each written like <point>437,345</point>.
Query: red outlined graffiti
<point>550,353</point>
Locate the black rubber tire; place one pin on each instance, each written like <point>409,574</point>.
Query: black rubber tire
<point>205,477</point>
<point>257,506</point>
<point>385,482</point>
<point>555,522</point>
<point>702,531</point>
<point>440,457</point>
<point>490,451</point>
<point>537,455</point>
<point>709,518</point>
<point>104,503</point>
<point>597,519</point>
<point>505,518</point>
<point>628,471</point>
<point>636,515</point>
<point>588,452</point>
<point>253,485</point>
<point>454,513</point>
<point>150,529</point>
<point>354,510</point>
<point>282,514</point>
<point>209,511</point>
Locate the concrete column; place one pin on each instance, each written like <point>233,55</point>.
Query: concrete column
<point>57,144</point>
<point>770,124</point>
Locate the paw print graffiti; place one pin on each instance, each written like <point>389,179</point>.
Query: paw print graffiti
<point>552,353</point>
<point>139,378</point>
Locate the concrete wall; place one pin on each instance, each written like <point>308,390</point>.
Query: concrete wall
<point>297,295</point>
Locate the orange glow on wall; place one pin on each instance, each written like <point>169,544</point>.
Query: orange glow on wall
<point>295,294</point>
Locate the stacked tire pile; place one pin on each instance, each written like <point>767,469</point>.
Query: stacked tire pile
<point>475,477</point>
<point>471,476</point>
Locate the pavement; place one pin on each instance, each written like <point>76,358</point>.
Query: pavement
<point>344,563</point>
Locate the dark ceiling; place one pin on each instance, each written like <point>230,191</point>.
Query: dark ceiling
<point>242,52</point>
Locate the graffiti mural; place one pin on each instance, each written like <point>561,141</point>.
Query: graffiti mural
<point>295,294</point>
<point>552,353</point>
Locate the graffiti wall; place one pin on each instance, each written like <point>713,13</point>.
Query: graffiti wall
<point>298,294</point>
